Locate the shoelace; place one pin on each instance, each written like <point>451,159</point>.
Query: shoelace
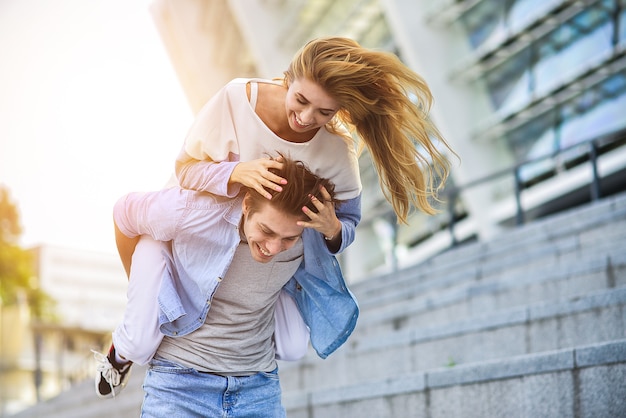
<point>110,373</point>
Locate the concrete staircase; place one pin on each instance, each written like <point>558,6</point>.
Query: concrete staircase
<point>531,324</point>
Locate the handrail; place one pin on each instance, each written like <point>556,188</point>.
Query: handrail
<point>452,193</point>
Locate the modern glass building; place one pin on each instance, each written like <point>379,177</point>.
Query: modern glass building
<point>528,92</point>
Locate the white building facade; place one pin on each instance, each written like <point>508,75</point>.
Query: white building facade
<point>513,80</point>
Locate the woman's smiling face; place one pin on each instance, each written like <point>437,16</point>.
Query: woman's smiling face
<point>308,105</point>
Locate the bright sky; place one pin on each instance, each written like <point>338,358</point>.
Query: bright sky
<point>90,109</point>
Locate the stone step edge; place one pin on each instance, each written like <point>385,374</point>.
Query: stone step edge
<point>530,364</point>
<point>503,318</point>
<point>474,277</point>
<point>467,290</point>
<point>476,251</point>
<point>82,395</point>
<point>570,222</point>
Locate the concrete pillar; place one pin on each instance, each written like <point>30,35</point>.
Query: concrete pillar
<point>204,44</point>
<point>260,23</point>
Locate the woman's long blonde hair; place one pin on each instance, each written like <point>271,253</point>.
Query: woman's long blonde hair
<point>387,104</point>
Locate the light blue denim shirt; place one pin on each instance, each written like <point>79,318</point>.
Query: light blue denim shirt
<point>200,234</point>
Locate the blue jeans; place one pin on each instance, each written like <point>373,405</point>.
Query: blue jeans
<point>173,391</point>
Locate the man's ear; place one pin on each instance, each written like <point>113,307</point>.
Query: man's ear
<point>245,204</point>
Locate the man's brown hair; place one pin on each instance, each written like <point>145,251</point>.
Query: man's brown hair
<point>301,185</point>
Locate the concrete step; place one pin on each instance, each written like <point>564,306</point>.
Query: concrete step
<point>543,291</point>
<point>582,382</point>
<point>576,277</point>
<point>406,290</point>
<point>578,220</point>
<point>605,241</point>
<point>594,224</point>
<point>81,401</point>
<point>594,318</point>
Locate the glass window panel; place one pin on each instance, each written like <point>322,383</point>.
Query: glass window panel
<point>523,139</point>
<point>553,69</point>
<point>608,116</point>
<point>544,146</point>
<point>595,15</point>
<point>525,11</point>
<point>509,84</point>
<point>615,85</point>
<point>593,114</point>
<point>483,22</point>
<point>518,95</point>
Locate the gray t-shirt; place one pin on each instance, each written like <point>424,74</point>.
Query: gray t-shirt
<point>236,338</point>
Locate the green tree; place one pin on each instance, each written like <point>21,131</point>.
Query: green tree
<point>17,276</point>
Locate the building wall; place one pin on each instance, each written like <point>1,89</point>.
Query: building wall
<point>512,80</point>
<point>204,44</point>
<point>41,358</point>
<point>13,332</point>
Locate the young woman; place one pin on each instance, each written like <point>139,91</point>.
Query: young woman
<point>333,88</point>
<point>330,84</point>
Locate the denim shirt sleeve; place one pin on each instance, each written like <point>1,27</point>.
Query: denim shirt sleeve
<point>196,261</point>
<point>328,308</point>
<point>325,303</point>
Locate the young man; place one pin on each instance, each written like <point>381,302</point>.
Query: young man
<point>226,263</point>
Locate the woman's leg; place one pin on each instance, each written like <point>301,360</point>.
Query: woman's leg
<point>137,337</point>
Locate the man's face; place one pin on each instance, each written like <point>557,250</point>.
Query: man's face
<point>269,231</point>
